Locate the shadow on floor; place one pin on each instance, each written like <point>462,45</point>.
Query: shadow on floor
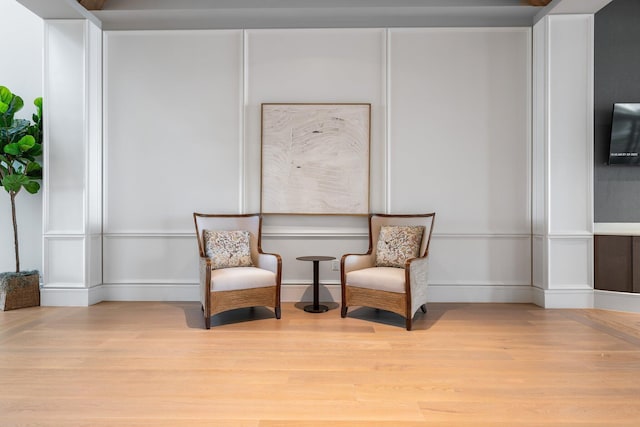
<point>195,318</point>
<point>421,321</point>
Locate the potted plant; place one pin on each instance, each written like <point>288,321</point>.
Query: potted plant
<point>20,146</point>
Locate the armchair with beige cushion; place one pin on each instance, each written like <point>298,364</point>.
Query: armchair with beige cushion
<point>234,271</point>
<point>392,275</point>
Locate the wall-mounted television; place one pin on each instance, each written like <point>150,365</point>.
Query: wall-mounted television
<point>624,148</point>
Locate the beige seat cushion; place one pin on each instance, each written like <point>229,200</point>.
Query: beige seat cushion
<point>233,279</point>
<point>389,279</point>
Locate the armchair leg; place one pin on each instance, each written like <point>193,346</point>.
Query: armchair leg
<point>278,312</point>
<point>408,323</point>
<point>207,319</point>
<point>343,311</point>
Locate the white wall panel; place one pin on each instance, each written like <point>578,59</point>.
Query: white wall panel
<point>575,269</point>
<point>539,131</point>
<point>480,260</point>
<point>94,129</point>
<point>459,107</point>
<point>571,123</point>
<point>328,65</point>
<point>538,262</point>
<point>297,272</point>
<point>563,161</point>
<point>65,126</point>
<point>173,127</point>
<point>64,262</point>
<point>94,258</point>
<point>484,192</point>
<point>150,259</point>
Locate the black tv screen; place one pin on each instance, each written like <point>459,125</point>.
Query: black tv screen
<point>625,135</point>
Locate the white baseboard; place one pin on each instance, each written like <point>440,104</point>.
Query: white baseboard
<point>563,298</point>
<point>617,301</point>
<point>70,297</point>
<point>291,292</point>
<point>151,292</point>
<point>331,292</point>
<point>480,293</point>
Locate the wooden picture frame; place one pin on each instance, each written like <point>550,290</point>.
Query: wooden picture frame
<point>315,158</point>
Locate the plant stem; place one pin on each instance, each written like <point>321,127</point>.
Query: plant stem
<point>15,229</point>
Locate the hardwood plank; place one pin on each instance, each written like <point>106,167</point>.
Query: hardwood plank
<point>152,363</point>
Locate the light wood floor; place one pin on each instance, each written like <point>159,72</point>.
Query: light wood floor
<point>153,364</point>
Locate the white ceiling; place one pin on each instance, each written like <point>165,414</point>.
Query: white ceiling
<point>210,14</point>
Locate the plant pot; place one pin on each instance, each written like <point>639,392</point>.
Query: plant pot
<point>19,290</point>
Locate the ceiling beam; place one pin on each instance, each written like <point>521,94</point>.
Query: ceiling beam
<point>92,4</point>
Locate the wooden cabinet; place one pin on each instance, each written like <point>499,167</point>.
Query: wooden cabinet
<point>617,263</point>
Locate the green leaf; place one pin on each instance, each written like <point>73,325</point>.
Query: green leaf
<point>33,166</point>
<point>36,150</point>
<point>32,187</point>
<point>16,104</point>
<point>38,103</point>
<point>14,131</point>
<point>12,149</point>
<point>3,107</point>
<point>26,143</point>
<point>34,170</point>
<point>5,95</point>
<point>14,182</point>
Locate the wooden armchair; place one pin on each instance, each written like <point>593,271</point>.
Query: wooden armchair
<point>392,275</point>
<point>234,272</point>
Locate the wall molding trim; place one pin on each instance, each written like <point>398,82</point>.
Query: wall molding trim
<point>617,228</point>
<point>294,232</point>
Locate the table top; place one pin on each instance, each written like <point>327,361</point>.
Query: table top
<point>315,258</point>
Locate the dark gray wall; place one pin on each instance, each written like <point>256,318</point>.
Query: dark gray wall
<point>617,79</point>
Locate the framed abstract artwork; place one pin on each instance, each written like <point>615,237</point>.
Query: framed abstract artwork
<point>315,159</point>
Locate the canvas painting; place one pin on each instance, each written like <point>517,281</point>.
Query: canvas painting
<point>315,158</point>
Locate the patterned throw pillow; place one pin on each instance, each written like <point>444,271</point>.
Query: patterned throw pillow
<point>397,244</point>
<point>228,248</point>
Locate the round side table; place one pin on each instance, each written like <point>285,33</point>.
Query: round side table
<point>316,307</point>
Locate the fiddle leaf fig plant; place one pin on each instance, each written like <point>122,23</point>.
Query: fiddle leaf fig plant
<point>20,147</point>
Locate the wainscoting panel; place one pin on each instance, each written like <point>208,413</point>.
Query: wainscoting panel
<point>301,272</point>
<point>64,121</point>
<point>173,123</point>
<point>570,83</point>
<point>539,263</point>
<point>315,65</point>
<point>487,268</point>
<point>459,127</point>
<point>572,262</point>
<point>480,260</point>
<point>64,263</point>
<point>150,259</point>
